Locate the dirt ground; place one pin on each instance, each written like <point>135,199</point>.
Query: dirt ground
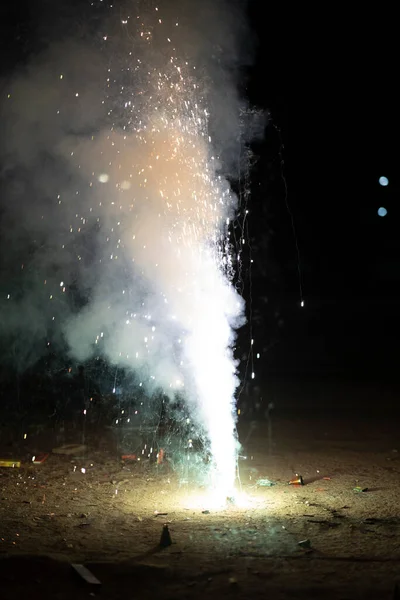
<point>106,518</point>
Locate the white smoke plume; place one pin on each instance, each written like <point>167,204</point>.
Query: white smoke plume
<point>115,153</point>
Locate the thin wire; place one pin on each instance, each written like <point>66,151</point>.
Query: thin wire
<point>250,355</point>
<point>283,177</point>
<point>244,193</point>
<point>244,234</point>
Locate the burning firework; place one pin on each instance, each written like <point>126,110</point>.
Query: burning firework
<point>149,198</point>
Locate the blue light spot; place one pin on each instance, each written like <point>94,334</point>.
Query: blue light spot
<point>382,212</point>
<point>384,181</point>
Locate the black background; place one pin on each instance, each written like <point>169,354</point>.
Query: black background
<point>329,82</point>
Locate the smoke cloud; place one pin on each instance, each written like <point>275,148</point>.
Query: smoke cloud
<point>116,149</point>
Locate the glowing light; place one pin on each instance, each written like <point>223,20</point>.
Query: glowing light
<point>104,178</point>
<point>382,212</point>
<point>384,181</point>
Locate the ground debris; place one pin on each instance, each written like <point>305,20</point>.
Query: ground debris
<point>264,483</point>
<point>86,575</point>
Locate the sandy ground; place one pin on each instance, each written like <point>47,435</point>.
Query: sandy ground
<point>54,514</point>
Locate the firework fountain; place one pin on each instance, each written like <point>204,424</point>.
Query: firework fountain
<point>173,209</point>
<point>149,193</point>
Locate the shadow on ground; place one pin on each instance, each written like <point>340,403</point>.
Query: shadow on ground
<point>41,578</point>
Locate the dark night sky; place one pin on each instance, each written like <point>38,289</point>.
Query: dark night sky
<point>332,90</point>
<point>330,84</point>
